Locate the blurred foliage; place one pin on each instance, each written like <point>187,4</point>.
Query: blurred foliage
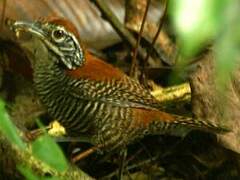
<point>44,148</point>
<point>197,22</point>
<point>227,44</point>
<point>27,172</point>
<point>8,129</point>
<point>208,22</point>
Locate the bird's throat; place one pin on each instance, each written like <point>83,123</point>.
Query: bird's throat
<point>48,80</point>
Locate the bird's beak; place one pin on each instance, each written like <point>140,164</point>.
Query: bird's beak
<point>32,27</point>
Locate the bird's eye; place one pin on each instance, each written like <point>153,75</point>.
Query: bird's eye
<point>58,34</point>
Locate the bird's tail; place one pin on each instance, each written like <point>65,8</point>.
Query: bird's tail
<point>203,125</point>
<point>180,126</point>
<point>159,122</point>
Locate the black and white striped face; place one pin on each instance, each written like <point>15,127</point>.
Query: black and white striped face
<point>61,42</point>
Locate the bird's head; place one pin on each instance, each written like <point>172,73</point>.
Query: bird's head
<point>58,35</point>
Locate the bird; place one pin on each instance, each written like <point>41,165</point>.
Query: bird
<point>92,98</point>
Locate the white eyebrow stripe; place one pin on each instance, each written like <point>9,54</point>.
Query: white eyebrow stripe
<point>53,48</point>
<point>67,48</point>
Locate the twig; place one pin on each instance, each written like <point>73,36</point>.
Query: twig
<point>134,155</point>
<point>134,59</point>
<point>133,166</point>
<point>118,26</point>
<point>155,38</point>
<point>123,155</point>
<point>34,134</point>
<point>3,13</point>
<point>86,153</point>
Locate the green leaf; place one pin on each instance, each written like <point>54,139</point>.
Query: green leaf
<point>196,22</point>
<point>27,173</point>
<point>50,178</point>
<point>8,128</point>
<point>30,175</point>
<point>227,45</point>
<point>45,149</point>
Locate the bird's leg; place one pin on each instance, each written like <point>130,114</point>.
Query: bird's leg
<point>86,153</point>
<point>123,156</point>
<point>34,134</point>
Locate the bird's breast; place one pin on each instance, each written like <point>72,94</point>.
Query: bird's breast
<point>106,122</point>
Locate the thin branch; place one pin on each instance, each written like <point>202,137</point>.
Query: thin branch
<point>86,153</point>
<point>134,59</point>
<point>118,26</point>
<point>155,37</point>
<point>3,13</point>
<point>133,166</point>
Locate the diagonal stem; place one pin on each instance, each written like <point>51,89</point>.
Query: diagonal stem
<point>3,13</point>
<point>134,59</point>
<point>118,26</point>
<point>155,38</point>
